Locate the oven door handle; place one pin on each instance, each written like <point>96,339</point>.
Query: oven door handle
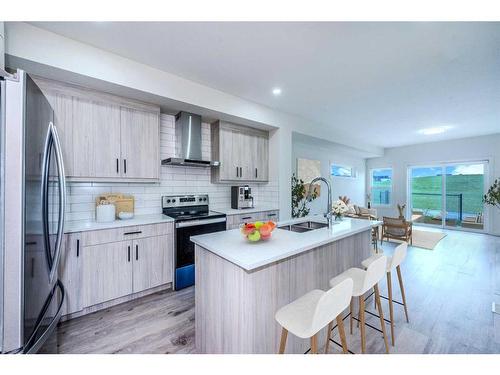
<point>192,223</point>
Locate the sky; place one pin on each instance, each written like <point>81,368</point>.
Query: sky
<point>450,170</point>
<point>382,173</point>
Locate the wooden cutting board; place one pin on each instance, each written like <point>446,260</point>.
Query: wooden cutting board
<point>123,203</point>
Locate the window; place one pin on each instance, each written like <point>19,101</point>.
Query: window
<point>342,171</point>
<point>381,186</point>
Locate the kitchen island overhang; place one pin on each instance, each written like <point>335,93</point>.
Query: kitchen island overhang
<point>240,285</point>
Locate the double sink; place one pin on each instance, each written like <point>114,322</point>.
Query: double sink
<point>305,226</point>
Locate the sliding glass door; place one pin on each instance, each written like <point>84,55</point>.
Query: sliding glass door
<point>448,195</point>
<point>427,195</point>
<point>464,195</point>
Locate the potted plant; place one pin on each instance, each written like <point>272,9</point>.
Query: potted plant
<point>492,197</point>
<point>299,201</point>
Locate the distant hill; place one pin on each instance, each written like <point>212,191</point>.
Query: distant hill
<point>471,186</point>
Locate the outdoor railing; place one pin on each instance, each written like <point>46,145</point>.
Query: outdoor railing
<point>460,199</point>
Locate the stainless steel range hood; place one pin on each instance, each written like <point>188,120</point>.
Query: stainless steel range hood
<point>188,142</point>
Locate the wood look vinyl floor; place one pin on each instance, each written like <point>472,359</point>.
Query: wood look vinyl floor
<point>449,291</point>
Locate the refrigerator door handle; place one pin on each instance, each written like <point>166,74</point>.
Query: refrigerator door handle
<point>45,193</point>
<point>33,346</point>
<point>62,201</point>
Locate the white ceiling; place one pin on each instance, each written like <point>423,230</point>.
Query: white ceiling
<point>377,82</point>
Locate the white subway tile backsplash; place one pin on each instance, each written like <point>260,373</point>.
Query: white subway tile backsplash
<point>173,180</point>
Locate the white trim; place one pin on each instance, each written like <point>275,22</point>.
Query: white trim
<point>487,162</point>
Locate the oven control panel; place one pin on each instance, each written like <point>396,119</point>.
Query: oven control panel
<point>184,200</point>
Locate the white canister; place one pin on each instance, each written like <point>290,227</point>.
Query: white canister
<point>105,213</point>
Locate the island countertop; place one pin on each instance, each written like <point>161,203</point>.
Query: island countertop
<point>232,246</point>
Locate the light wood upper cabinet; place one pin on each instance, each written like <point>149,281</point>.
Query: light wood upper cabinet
<point>243,153</point>
<point>63,117</point>
<point>104,137</point>
<point>96,134</point>
<point>140,151</point>
<point>260,165</point>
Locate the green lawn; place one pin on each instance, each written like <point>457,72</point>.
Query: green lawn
<point>471,186</point>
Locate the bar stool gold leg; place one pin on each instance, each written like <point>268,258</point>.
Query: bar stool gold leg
<point>328,334</point>
<point>351,310</point>
<point>400,278</point>
<point>284,335</point>
<point>391,309</point>
<point>314,344</point>
<point>362,323</point>
<point>381,314</point>
<point>343,340</point>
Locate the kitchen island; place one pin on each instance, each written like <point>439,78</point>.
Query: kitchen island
<point>240,285</point>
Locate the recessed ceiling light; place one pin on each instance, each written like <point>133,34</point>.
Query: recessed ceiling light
<point>436,130</point>
<point>276,91</point>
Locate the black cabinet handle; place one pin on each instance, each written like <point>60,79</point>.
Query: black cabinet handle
<point>125,166</point>
<point>129,233</point>
<point>77,248</point>
<point>246,218</point>
<point>136,252</point>
<point>255,172</point>
<point>129,253</point>
<point>270,215</point>
<point>237,172</point>
<point>241,172</point>
<point>117,165</point>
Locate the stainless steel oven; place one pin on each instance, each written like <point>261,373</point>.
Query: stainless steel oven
<point>192,217</point>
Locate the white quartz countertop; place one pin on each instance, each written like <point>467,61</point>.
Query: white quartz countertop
<point>233,211</point>
<point>232,246</point>
<point>87,225</point>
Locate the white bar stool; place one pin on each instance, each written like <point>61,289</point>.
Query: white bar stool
<point>393,262</point>
<point>307,315</point>
<point>363,282</point>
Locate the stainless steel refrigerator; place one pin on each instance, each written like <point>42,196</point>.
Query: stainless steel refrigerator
<point>34,199</point>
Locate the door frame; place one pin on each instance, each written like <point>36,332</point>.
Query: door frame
<point>443,164</point>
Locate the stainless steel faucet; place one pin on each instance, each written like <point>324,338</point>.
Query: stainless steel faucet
<point>328,214</point>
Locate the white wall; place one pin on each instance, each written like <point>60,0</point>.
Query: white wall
<point>2,46</point>
<point>468,149</point>
<point>173,180</point>
<point>326,152</point>
<point>45,53</point>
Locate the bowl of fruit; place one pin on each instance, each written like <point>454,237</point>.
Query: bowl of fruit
<point>257,231</point>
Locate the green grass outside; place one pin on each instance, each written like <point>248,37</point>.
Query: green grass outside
<point>471,186</point>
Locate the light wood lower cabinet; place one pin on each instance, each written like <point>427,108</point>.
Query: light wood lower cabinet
<point>100,266</point>
<point>234,221</point>
<point>107,272</point>
<point>70,273</point>
<point>152,264</point>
